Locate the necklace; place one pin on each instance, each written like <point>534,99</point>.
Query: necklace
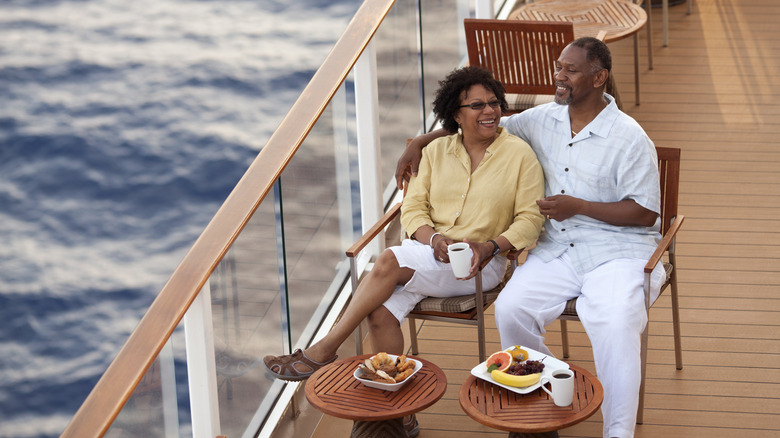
<point>573,133</point>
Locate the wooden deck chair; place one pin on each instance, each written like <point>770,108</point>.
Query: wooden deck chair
<point>520,54</point>
<point>669,167</point>
<point>465,309</point>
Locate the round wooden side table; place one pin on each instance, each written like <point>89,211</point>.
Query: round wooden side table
<point>334,391</point>
<point>534,412</point>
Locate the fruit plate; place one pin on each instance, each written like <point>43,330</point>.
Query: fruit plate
<point>550,364</point>
<point>388,386</point>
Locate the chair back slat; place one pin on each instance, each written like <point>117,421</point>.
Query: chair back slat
<point>669,168</point>
<point>521,54</point>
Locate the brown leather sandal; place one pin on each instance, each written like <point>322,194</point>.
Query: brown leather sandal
<point>284,367</point>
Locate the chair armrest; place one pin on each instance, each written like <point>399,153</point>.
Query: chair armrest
<point>374,231</point>
<point>664,244</point>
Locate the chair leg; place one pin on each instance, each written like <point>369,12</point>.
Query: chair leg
<point>413,336</point>
<point>636,68</point>
<point>648,8</point>
<point>480,301</point>
<point>565,338</point>
<point>665,15</point>
<point>676,321</point>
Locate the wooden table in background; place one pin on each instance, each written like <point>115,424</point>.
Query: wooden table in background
<point>534,412</point>
<point>335,391</point>
<point>618,18</point>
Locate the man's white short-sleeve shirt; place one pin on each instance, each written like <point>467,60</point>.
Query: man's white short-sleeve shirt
<point>610,160</point>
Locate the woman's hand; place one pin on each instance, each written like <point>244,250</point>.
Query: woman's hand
<point>481,251</point>
<point>439,244</point>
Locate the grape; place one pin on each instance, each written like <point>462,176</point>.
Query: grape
<point>525,368</point>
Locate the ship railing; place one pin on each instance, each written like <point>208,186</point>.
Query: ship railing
<point>268,273</point>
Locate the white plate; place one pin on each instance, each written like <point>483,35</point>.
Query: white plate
<point>388,386</point>
<point>550,364</point>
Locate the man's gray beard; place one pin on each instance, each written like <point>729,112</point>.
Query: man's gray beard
<point>561,101</point>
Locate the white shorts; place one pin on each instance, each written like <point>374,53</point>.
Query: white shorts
<point>433,278</point>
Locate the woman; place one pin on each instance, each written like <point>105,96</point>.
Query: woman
<point>479,186</point>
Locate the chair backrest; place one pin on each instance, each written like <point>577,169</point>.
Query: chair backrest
<point>669,168</point>
<point>521,54</point>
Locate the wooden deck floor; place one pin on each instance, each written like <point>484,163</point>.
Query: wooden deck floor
<point>715,93</point>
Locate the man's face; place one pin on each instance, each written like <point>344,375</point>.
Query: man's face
<point>573,76</point>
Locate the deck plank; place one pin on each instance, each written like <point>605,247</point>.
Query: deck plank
<point>714,92</point>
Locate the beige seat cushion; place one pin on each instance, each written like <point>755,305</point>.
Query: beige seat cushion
<point>522,102</point>
<point>454,304</point>
<point>571,305</point>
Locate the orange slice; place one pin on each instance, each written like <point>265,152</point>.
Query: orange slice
<point>500,360</point>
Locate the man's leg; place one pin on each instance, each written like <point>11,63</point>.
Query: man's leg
<point>533,298</point>
<point>612,312</point>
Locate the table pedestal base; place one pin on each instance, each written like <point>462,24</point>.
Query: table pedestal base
<point>379,429</point>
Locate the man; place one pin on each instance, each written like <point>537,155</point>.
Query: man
<point>602,202</point>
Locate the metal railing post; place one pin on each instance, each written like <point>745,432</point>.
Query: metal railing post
<point>367,120</point>
<point>201,366</point>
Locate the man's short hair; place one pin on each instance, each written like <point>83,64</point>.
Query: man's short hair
<point>597,53</point>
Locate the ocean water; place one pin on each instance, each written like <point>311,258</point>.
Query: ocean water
<point>123,127</point>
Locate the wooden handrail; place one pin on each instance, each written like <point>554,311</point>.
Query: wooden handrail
<point>115,387</point>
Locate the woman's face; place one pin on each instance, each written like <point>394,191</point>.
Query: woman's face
<point>479,123</point>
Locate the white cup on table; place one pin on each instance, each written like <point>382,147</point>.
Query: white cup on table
<point>562,384</point>
<point>460,258</point>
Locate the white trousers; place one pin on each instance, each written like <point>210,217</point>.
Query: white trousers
<point>433,278</point>
<point>611,308</point>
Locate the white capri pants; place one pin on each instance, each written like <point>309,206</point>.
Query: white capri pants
<point>612,310</point>
<point>433,278</point>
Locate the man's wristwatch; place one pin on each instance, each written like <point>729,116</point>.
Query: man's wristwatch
<point>496,248</point>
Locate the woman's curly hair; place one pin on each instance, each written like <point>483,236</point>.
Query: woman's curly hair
<point>447,101</point>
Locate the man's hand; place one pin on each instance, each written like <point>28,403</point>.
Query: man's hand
<point>560,207</point>
<point>407,165</point>
<point>622,213</point>
<point>409,162</point>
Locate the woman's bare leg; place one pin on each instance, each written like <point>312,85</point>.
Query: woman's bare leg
<point>385,332</point>
<point>371,293</point>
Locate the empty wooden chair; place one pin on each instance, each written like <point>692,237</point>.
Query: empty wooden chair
<point>520,54</point>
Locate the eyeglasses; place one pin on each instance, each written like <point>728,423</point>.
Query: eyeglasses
<point>477,106</point>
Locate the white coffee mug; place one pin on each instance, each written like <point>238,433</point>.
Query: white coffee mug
<point>460,258</point>
<point>562,384</point>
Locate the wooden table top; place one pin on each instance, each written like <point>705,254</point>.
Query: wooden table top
<point>619,18</point>
<point>334,390</point>
<point>534,412</point>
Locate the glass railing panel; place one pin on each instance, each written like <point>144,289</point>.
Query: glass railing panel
<point>398,66</point>
<point>320,217</point>
<point>154,407</point>
<point>441,45</point>
<point>249,319</point>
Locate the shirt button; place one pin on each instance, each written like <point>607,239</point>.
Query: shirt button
<point>566,169</point>
<point>563,229</point>
<point>571,244</point>
<point>570,144</point>
<point>563,191</point>
<point>457,213</point>
<point>462,196</point>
